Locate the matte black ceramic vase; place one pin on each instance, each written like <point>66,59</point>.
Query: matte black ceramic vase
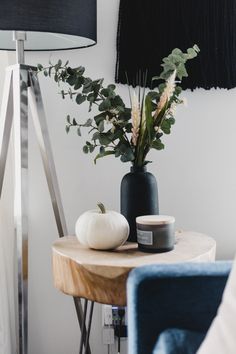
<point>139,196</point>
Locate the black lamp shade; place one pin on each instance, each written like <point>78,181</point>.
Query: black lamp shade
<point>49,24</point>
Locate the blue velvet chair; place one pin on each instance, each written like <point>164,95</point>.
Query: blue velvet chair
<point>173,304</point>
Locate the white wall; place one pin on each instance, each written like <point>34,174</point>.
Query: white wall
<point>196,175</point>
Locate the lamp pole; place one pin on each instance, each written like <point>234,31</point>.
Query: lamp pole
<point>21,93</point>
<point>20,38</point>
<point>45,31</point>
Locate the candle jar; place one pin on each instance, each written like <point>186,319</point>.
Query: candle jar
<point>155,233</point>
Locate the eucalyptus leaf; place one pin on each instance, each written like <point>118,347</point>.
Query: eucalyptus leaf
<point>104,139</point>
<point>79,131</point>
<point>120,109</point>
<point>128,127</point>
<point>166,126</point>
<point>122,147</point>
<point>127,156</point>
<point>80,70</point>
<point>106,153</point>
<point>191,53</point>
<point>91,97</point>
<point>117,153</point>
<point>153,95</point>
<point>78,83</point>
<point>159,135</point>
<point>125,114</point>
<point>117,101</point>
<point>111,87</point>
<point>87,89</point>
<point>102,150</point>
<point>178,90</point>
<point>71,80</point>
<point>91,148</point>
<point>40,67</point>
<point>181,71</point>
<point>176,51</point>
<point>98,118</point>
<point>71,71</point>
<point>101,126</point>
<point>87,85</point>
<point>105,92</point>
<point>105,105</point>
<point>171,120</point>
<point>80,98</point>
<point>196,48</point>
<point>85,149</point>
<point>88,123</point>
<point>95,136</point>
<point>158,145</point>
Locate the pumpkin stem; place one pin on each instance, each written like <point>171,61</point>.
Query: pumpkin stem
<point>102,208</point>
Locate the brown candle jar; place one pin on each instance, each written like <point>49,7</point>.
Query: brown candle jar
<point>155,233</point>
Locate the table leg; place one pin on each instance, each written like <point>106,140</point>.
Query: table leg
<point>84,340</point>
<point>79,311</point>
<point>89,327</point>
<point>83,326</point>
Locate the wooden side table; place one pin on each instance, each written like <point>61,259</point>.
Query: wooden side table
<point>100,276</point>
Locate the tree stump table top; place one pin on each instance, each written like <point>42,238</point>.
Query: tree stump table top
<point>101,275</point>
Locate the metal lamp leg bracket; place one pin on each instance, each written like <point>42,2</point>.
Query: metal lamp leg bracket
<point>85,334</point>
<point>22,91</point>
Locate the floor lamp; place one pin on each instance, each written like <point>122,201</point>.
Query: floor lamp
<point>35,26</point>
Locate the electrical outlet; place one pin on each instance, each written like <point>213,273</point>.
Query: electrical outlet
<point>108,336</point>
<point>116,317</point>
<point>107,316</point>
<point>119,321</point>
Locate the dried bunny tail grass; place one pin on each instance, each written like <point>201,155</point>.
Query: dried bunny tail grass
<point>166,94</point>
<point>161,104</point>
<point>170,85</point>
<point>135,117</point>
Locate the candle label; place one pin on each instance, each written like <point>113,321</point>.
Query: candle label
<point>145,237</point>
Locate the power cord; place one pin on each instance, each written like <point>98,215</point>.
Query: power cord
<point>121,314</point>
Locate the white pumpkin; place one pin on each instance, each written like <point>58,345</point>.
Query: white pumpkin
<point>101,229</point>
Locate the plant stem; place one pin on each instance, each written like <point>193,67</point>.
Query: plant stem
<point>101,207</point>
<point>101,96</point>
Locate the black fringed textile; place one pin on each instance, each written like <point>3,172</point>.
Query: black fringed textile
<point>148,30</point>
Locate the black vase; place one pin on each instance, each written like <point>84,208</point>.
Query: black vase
<point>138,196</point>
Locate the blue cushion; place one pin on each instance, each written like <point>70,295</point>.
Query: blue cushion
<point>177,341</point>
<point>162,296</point>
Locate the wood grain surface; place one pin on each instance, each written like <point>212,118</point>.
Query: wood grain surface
<point>101,275</point>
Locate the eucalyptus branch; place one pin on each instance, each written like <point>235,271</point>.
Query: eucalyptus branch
<point>156,106</point>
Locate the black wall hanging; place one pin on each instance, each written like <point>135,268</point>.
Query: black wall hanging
<point>148,30</point>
